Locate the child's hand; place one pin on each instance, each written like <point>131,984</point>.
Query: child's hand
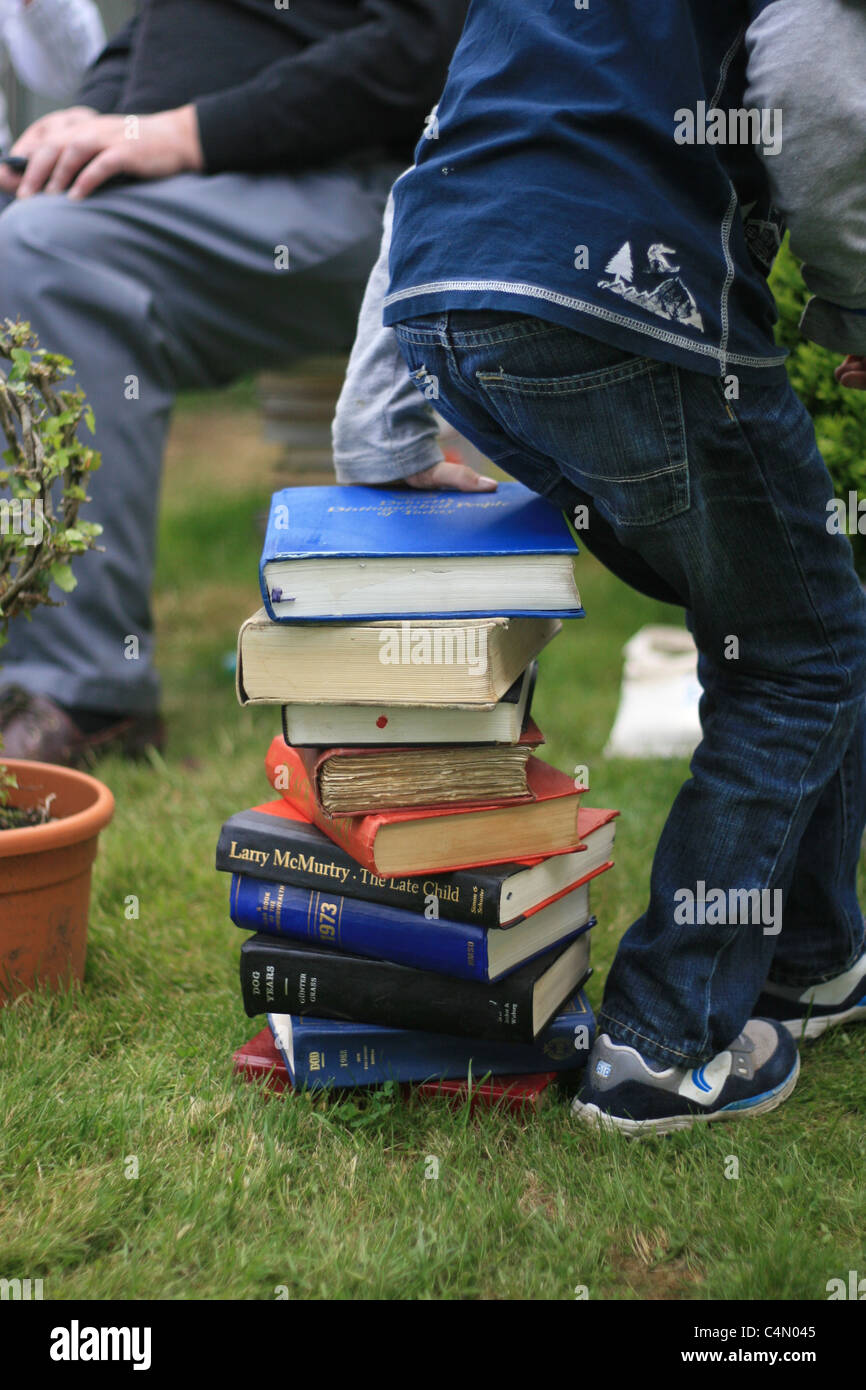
<point>451,475</point>
<point>852,373</point>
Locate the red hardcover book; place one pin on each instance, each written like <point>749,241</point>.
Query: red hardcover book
<point>259,1060</point>
<point>375,778</point>
<point>515,1093</point>
<point>446,838</point>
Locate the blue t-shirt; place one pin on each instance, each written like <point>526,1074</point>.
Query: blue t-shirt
<point>595,167</point>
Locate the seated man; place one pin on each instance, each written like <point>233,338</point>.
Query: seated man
<point>211,207</point>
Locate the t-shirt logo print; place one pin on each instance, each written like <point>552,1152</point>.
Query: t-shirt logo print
<point>657,288</point>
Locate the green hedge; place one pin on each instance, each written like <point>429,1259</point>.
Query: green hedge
<point>839,415</point>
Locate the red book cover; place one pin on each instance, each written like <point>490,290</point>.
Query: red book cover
<point>589,819</point>
<point>357,834</point>
<point>259,1060</point>
<point>515,1093</point>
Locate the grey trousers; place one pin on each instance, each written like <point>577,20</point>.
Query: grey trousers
<point>153,288</point>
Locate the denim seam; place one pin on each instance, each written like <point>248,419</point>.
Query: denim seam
<point>418,335</point>
<point>492,337</point>
<point>725,66</point>
<point>790,978</point>
<point>633,477</point>
<point>585,307</point>
<point>728,282</point>
<point>682,466</point>
<point>792,983</point>
<point>634,1033</point>
<point>573,385</point>
<point>672,464</point>
<point>731,937</point>
<point>681,420</point>
<point>792,549</point>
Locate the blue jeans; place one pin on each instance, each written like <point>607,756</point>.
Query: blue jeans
<point>721,507</point>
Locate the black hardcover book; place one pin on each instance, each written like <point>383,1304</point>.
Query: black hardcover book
<point>270,845</point>
<point>287,977</point>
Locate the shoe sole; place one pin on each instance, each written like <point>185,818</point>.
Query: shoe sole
<point>805,1030</point>
<point>760,1105</point>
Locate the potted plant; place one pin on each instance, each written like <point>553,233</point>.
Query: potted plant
<point>50,817</point>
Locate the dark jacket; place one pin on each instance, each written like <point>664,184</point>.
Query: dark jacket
<point>283,88</point>
<point>595,167</point>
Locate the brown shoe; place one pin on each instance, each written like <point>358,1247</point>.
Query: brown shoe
<point>36,729</point>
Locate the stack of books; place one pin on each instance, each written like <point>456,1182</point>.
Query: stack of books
<point>418,892</point>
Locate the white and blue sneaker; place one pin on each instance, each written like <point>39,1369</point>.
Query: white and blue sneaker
<point>809,1012</point>
<point>623,1091</point>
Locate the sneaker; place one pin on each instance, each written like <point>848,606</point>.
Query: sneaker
<point>623,1091</point>
<point>809,1012</point>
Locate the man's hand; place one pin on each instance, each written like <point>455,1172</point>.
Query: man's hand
<point>451,476</point>
<point>78,150</point>
<point>49,129</point>
<point>852,373</point>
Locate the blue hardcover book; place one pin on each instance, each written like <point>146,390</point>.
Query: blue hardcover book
<point>320,1052</point>
<point>346,553</point>
<point>359,927</point>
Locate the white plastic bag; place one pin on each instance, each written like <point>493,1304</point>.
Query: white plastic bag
<point>658,705</point>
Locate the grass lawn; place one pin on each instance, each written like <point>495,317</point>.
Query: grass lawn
<point>236,1194</point>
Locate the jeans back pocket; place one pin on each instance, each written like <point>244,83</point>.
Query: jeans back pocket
<point>618,433</point>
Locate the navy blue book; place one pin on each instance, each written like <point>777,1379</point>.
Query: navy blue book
<point>364,928</point>
<point>320,1052</point>
<point>338,553</point>
<point>281,975</point>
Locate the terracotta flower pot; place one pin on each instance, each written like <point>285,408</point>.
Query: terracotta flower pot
<point>45,877</point>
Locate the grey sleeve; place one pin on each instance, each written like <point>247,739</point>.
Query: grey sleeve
<point>807,59</point>
<point>384,429</point>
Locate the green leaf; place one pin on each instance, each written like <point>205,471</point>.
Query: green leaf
<point>63,577</point>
